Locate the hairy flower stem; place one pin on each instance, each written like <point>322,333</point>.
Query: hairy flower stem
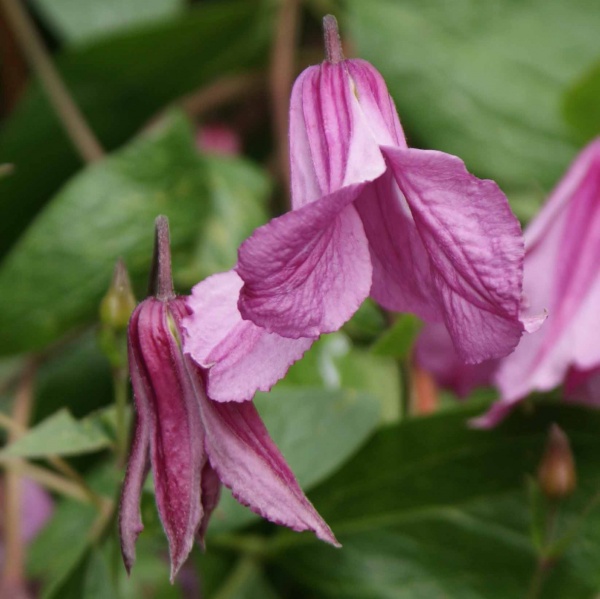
<point>70,116</point>
<point>333,42</point>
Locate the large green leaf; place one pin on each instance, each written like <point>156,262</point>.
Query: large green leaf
<point>57,273</point>
<point>82,20</point>
<point>483,79</point>
<point>119,84</point>
<point>432,509</point>
<point>60,434</point>
<point>582,108</point>
<point>316,430</point>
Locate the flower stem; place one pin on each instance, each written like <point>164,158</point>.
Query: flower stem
<point>333,43</point>
<point>14,561</point>
<point>32,45</point>
<point>281,77</point>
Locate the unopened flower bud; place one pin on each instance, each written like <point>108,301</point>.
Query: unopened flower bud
<point>556,475</point>
<point>119,302</point>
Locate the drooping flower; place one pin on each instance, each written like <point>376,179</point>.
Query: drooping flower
<point>410,227</point>
<point>561,275</point>
<point>193,443</point>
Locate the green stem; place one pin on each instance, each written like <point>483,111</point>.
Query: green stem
<point>239,578</point>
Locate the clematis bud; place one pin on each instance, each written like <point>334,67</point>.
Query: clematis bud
<point>192,443</point>
<point>371,216</point>
<point>556,474</point>
<point>119,302</point>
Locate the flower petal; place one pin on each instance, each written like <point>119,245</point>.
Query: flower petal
<point>130,519</point>
<point>248,462</point>
<point>474,248</point>
<point>240,357</point>
<point>306,272</point>
<point>562,275</point>
<point>331,143</point>
<point>210,494</point>
<point>434,351</point>
<point>176,441</point>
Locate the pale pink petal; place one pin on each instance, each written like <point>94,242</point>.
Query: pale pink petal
<point>434,352</point>
<point>248,462</point>
<point>306,272</point>
<point>240,358</point>
<point>562,276</point>
<point>474,247</point>
<point>331,142</point>
<point>583,386</point>
<point>176,447</point>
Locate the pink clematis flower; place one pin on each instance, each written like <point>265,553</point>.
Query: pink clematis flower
<point>561,275</point>
<point>410,227</point>
<point>192,442</point>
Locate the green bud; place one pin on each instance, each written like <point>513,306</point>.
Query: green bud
<point>556,475</point>
<point>119,302</point>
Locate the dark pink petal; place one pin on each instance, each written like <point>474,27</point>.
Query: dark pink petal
<point>210,494</point>
<point>434,352</point>
<point>402,274</point>
<point>176,441</point>
<point>130,520</point>
<point>239,357</point>
<point>248,462</point>
<point>331,142</point>
<point>474,248</point>
<point>583,386</point>
<point>308,271</point>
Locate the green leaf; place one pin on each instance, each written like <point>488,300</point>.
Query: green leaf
<point>316,430</point>
<point>431,508</point>
<point>398,340</point>
<point>581,106</point>
<point>334,363</point>
<point>482,80</point>
<point>246,581</point>
<point>60,549</point>
<point>61,268</point>
<point>237,199</point>
<point>60,434</point>
<point>77,21</point>
<point>120,84</point>
<point>76,376</point>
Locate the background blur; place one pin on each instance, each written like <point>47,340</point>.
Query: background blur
<point>187,104</point>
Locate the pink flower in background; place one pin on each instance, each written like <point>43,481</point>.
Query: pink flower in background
<point>36,510</point>
<point>562,275</point>
<point>218,139</point>
<point>412,228</point>
<point>193,442</point>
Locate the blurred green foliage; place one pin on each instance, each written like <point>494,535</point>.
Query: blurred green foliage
<point>424,508</point>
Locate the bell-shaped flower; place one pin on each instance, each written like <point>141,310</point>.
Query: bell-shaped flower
<point>410,227</point>
<point>192,443</point>
<point>561,275</point>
